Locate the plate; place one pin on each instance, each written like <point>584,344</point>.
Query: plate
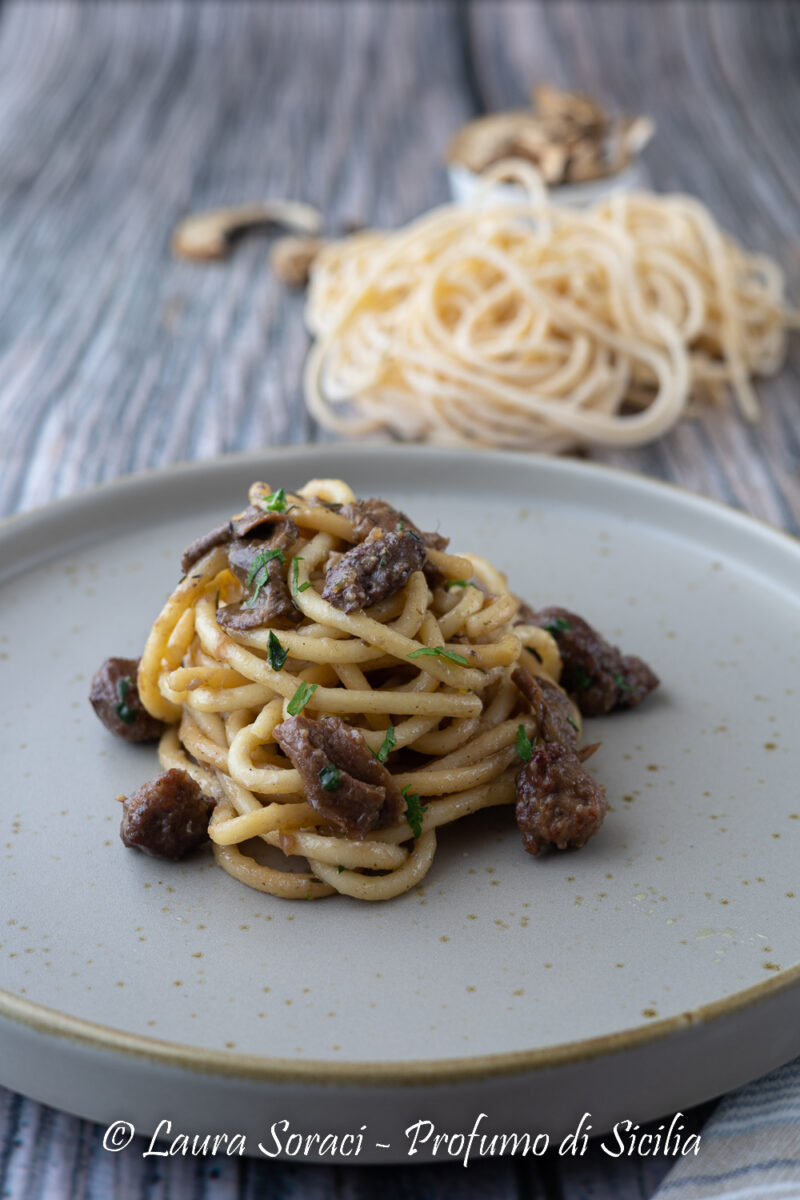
<point>652,969</point>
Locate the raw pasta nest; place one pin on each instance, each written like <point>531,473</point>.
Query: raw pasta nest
<point>514,322</point>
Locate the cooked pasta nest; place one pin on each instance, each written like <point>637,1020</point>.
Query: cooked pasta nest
<point>433,663</point>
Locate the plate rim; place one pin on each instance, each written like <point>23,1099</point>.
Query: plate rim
<point>223,1064</point>
<point>42,1019</point>
<point>187,468</point>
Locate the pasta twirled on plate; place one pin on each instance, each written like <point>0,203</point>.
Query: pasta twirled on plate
<point>341,686</point>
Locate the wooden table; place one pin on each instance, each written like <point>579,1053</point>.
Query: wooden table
<point>117,118</point>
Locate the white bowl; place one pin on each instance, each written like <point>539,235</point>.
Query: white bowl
<point>465,185</point>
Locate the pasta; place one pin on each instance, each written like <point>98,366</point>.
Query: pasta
<point>422,675</point>
<point>521,324</point>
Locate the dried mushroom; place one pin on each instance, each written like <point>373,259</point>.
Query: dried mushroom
<point>570,138</point>
<point>209,235</point>
<point>292,258</point>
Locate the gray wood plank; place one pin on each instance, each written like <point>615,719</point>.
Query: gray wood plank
<point>115,354</point>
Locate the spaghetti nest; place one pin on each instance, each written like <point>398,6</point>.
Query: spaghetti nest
<point>341,686</point>
<point>516,322</point>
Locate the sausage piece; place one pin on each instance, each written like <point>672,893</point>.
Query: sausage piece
<point>238,527</point>
<point>558,802</point>
<point>376,568</point>
<point>260,565</point>
<point>343,780</point>
<point>366,515</point>
<point>167,817</point>
<point>115,698</point>
<point>598,675</point>
<point>201,546</point>
<point>550,707</point>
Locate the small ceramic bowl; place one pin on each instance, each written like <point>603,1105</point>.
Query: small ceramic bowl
<point>465,184</point>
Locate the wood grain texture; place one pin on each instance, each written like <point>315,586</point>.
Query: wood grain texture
<point>116,118</point>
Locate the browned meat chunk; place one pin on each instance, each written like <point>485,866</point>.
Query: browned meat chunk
<point>256,518</point>
<point>239,527</point>
<point>558,802</point>
<point>365,515</point>
<point>115,698</point>
<point>200,546</point>
<point>550,707</point>
<point>168,817</point>
<point>599,676</point>
<point>260,564</point>
<point>378,567</point>
<point>343,780</point>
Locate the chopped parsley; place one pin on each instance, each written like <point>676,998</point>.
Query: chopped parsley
<point>622,683</point>
<point>440,652</point>
<point>414,811</point>
<point>275,652</point>
<point>126,712</point>
<point>558,625</point>
<point>302,587</point>
<point>259,572</point>
<point>274,502</point>
<point>387,745</point>
<point>339,870</point>
<point>301,698</point>
<point>330,778</point>
<point>457,583</point>
<point>574,724</point>
<point>524,744</point>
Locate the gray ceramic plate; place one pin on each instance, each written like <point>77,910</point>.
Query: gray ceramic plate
<point>652,969</point>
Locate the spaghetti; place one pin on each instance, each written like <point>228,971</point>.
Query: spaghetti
<point>514,322</point>
<point>269,716</point>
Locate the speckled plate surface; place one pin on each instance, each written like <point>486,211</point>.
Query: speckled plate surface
<point>662,954</point>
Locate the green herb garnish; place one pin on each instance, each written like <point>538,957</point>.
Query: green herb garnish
<point>524,744</point>
<point>275,652</point>
<point>330,777</point>
<point>302,587</point>
<point>457,583</point>
<point>339,870</point>
<point>574,724</point>
<point>387,745</point>
<point>274,502</point>
<point>583,679</point>
<point>558,625</point>
<point>622,683</point>
<point>126,712</point>
<point>301,698</point>
<point>440,652</point>
<point>259,572</point>
<point>414,811</point>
